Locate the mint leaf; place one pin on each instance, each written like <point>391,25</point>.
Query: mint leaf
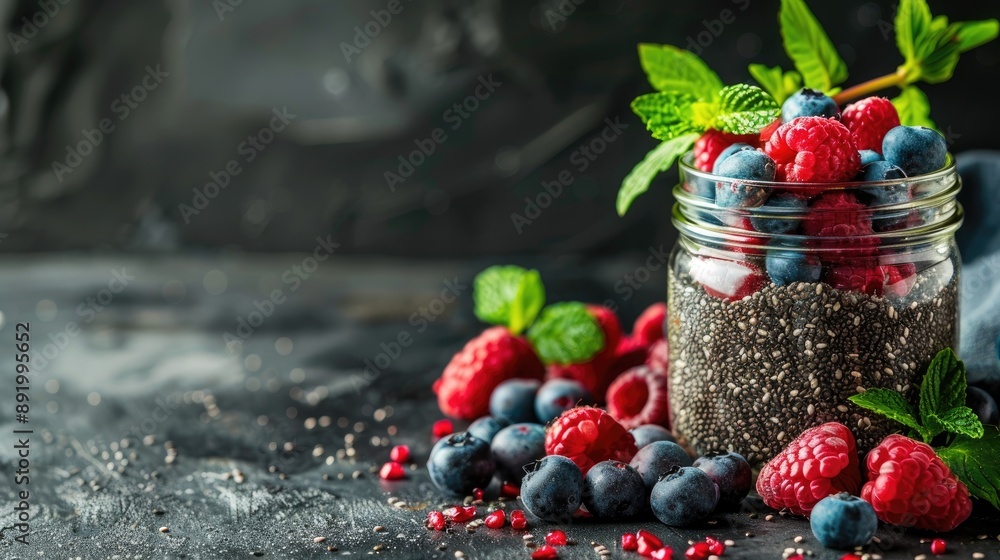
<point>670,68</point>
<point>942,389</point>
<point>659,159</point>
<point>809,47</point>
<point>776,82</point>
<point>961,420</point>
<point>971,34</point>
<point>912,23</point>
<point>913,107</point>
<point>888,403</point>
<point>508,295</point>
<point>745,109</point>
<point>566,333</point>
<point>974,462</point>
<point>666,114</point>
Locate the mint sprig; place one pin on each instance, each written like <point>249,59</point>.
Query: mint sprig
<point>913,107</point>
<point>666,114</point>
<point>660,159</point>
<point>974,462</point>
<point>775,81</point>
<point>670,68</point>
<point>566,333</point>
<point>941,406</point>
<point>930,45</point>
<point>809,47</point>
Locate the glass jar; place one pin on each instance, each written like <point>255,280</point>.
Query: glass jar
<point>781,309</point>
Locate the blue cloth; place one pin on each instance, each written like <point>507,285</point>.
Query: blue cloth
<point>979,243</point>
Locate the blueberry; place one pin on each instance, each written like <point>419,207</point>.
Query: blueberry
<point>785,267</point>
<point>843,521</point>
<point>557,396</point>
<point>553,491</point>
<point>915,149</point>
<point>648,433</point>
<point>730,472</point>
<point>701,186</point>
<point>784,203</point>
<point>459,463</point>
<point>869,156</point>
<point>657,458</point>
<point>737,147</point>
<point>751,165</point>
<point>885,195</point>
<point>514,400</point>
<point>613,490</point>
<point>809,103</point>
<point>982,404</point>
<point>685,496</point>
<point>517,446</point>
<point>486,428</point>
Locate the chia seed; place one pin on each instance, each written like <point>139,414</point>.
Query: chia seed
<point>811,346</point>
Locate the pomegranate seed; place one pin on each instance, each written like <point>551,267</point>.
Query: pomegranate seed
<point>556,537</point>
<point>478,493</point>
<point>796,557</point>
<point>460,514</point>
<point>435,520</point>
<point>392,471</point>
<point>510,490</point>
<point>715,546</point>
<point>665,553</point>
<point>648,542</point>
<point>545,552</point>
<point>938,547</point>
<point>518,520</point>
<point>697,551</point>
<point>442,428</point>
<point>496,519</point>
<point>629,543</point>
<point>400,453</point>
<point>850,556</point>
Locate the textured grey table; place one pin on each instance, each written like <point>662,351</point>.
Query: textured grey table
<point>143,418</point>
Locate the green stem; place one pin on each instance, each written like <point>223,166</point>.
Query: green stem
<point>897,78</point>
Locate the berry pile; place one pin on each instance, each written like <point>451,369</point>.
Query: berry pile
<point>813,147</point>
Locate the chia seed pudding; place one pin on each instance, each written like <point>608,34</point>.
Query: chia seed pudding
<point>750,375</point>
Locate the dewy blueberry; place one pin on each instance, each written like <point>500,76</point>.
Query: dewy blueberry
<point>517,446</point>
<point>686,495</point>
<point>809,103</point>
<point>730,472</point>
<point>869,156</point>
<point>915,149</point>
<point>751,165</point>
<point>553,491</point>
<point>460,462</point>
<point>514,400</point>
<point>737,147</point>
<point>785,207</point>
<point>613,490</point>
<point>785,267</point>
<point>557,396</point>
<point>843,521</point>
<point>656,459</point>
<point>648,433</point>
<point>486,428</point>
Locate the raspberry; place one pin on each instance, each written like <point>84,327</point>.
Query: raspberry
<point>639,396</point>
<point>556,537</point>
<point>609,323</point>
<point>496,519</point>
<point>875,280</point>
<point>587,436</point>
<point>400,453</point>
<point>709,145</point>
<point>820,462</point>
<point>768,131</point>
<point>836,208</point>
<point>909,485</point>
<point>813,150</point>
<point>868,120</point>
<point>392,471</point>
<point>468,380</point>
<point>648,327</point>
<point>597,374</point>
<point>658,356</point>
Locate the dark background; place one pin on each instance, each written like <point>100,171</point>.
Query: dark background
<point>228,68</point>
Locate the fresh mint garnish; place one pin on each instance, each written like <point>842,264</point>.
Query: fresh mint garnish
<point>666,114</point>
<point>669,68</point>
<point>566,333</point>
<point>942,402</point>
<point>778,83</point>
<point>660,159</point>
<point>508,295</point>
<point>743,109</point>
<point>809,47</point>
<point>974,462</point>
<point>913,107</point>
<point>930,45</point>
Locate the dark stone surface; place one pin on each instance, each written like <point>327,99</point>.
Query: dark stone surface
<point>161,369</point>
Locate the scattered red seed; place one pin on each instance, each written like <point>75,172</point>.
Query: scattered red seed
<point>629,542</point>
<point>435,520</point>
<point>647,542</point>
<point>460,514</point>
<point>697,551</point>
<point>496,519</point>
<point>796,557</point>
<point>715,546</point>
<point>850,556</point>
<point>665,553</point>
<point>443,428</point>
<point>510,490</point>
<point>518,520</point>
<point>392,471</point>
<point>478,493</point>
<point>400,453</point>
<point>556,537</point>
<point>938,547</point>
<point>545,552</point>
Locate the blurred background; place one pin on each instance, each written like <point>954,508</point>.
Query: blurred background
<point>412,134</point>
